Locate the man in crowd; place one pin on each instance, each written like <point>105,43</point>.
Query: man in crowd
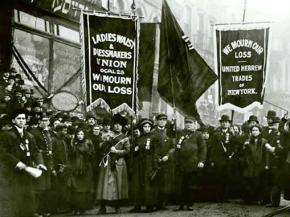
<point>223,151</point>
<point>46,143</point>
<point>277,158</point>
<point>20,154</point>
<point>190,158</point>
<point>164,150</point>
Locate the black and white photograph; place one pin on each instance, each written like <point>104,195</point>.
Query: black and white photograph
<point>144,108</point>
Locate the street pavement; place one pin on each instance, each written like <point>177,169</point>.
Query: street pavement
<point>232,209</point>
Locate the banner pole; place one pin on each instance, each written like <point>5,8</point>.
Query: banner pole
<point>245,8</point>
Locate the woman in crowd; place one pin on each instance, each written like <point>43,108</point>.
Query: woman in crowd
<point>255,162</point>
<point>81,182</point>
<point>112,186</point>
<point>143,184</point>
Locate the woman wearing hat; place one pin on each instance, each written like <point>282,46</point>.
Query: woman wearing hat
<point>112,185</point>
<point>255,162</point>
<point>144,189</point>
<point>82,182</point>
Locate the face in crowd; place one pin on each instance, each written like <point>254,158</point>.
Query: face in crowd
<point>56,123</point>
<point>118,127</point>
<point>107,127</point>
<point>205,135</point>
<point>269,121</point>
<point>91,121</point>
<point>225,124</point>
<point>20,120</point>
<point>255,131</point>
<point>191,125</point>
<point>80,135</point>
<point>146,128</point>
<point>44,123</point>
<point>162,122</point>
<point>96,130</point>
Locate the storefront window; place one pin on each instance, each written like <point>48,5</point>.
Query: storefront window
<point>66,33</point>
<point>66,64</point>
<point>31,21</point>
<point>35,52</point>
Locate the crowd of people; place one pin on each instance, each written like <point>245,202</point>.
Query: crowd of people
<point>55,162</point>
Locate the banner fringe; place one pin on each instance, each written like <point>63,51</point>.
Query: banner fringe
<point>123,107</point>
<point>99,102</point>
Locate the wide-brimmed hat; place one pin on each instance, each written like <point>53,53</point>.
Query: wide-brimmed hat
<point>225,118</point>
<point>271,114</point>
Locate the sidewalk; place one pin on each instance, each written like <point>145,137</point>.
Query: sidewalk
<point>200,210</point>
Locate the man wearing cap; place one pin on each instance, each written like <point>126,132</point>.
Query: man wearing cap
<point>223,151</point>
<point>190,159</point>
<point>47,144</point>
<point>164,150</point>
<point>19,153</point>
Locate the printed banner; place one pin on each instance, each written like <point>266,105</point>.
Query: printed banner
<point>110,66</point>
<point>242,53</point>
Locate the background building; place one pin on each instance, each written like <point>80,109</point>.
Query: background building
<point>46,34</point>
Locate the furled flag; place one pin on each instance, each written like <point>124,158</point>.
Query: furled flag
<point>146,61</point>
<point>183,75</point>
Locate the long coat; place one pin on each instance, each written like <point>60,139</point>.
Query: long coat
<point>144,163</point>
<point>163,146</point>
<point>13,150</point>
<point>113,180</point>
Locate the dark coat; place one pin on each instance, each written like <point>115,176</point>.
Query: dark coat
<point>81,161</point>
<point>163,145</point>
<point>192,151</point>
<point>46,143</point>
<point>13,151</point>
<point>255,157</point>
<point>145,164</point>
<point>223,148</point>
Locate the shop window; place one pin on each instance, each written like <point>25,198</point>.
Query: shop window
<point>34,50</point>
<point>66,64</point>
<point>32,21</point>
<point>66,33</point>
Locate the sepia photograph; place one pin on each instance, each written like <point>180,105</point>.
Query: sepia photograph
<point>145,108</point>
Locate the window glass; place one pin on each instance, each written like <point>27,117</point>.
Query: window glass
<point>35,52</point>
<point>66,64</point>
<point>32,21</point>
<point>66,33</point>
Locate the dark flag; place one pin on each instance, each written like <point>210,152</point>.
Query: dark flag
<point>146,60</point>
<point>183,75</point>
